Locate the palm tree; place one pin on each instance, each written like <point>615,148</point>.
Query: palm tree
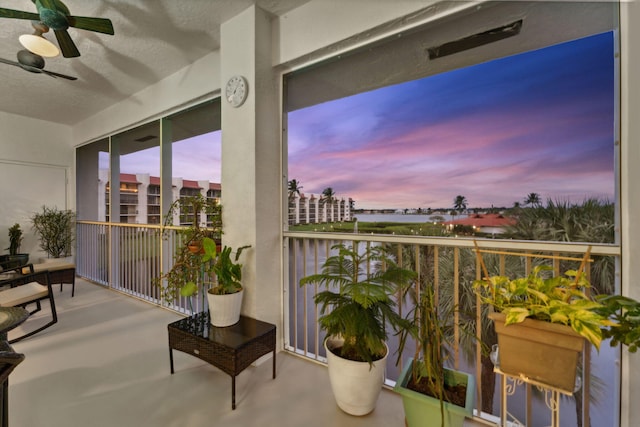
<point>591,221</point>
<point>532,199</point>
<point>460,203</point>
<point>294,188</point>
<point>328,197</point>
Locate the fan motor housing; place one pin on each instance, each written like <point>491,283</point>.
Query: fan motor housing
<point>30,59</point>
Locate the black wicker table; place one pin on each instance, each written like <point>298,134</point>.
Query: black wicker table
<point>230,349</point>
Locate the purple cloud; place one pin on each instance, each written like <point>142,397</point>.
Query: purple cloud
<point>493,133</point>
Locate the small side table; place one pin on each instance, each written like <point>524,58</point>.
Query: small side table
<point>230,349</point>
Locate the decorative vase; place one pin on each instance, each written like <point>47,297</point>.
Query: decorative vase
<point>423,411</point>
<point>12,262</point>
<point>224,310</point>
<point>539,351</point>
<point>355,385</point>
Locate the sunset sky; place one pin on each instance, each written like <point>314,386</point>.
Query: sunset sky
<point>537,122</point>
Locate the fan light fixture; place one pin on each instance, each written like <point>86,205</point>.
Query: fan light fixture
<point>39,45</point>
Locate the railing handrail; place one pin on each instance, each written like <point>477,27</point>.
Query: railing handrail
<point>130,225</point>
<point>604,249</point>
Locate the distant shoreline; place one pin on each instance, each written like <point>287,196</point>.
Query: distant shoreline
<point>401,217</point>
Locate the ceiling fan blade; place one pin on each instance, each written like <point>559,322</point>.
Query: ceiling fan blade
<point>64,76</point>
<point>52,4</point>
<point>18,14</point>
<point>6,61</point>
<point>99,25</point>
<point>67,46</point>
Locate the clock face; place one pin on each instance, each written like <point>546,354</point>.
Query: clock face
<point>236,91</point>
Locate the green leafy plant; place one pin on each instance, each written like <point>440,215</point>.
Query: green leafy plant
<point>192,269</point>
<point>358,299</point>
<point>428,331</point>
<point>625,312</point>
<point>56,230</point>
<point>559,299</point>
<point>15,239</point>
<point>189,210</point>
<point>430,323</point>
<point>227,270</point>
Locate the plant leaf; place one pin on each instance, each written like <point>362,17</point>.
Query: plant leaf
<point>188,289</point>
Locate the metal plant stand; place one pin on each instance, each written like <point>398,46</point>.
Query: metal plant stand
<point>551,398</point>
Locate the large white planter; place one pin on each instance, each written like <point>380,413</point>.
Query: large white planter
<point>355,385</point>
<point>224,310</point>
<point>63,260</point>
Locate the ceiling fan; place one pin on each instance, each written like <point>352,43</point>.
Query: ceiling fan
<point>33,63</point>
<point>55,15</point>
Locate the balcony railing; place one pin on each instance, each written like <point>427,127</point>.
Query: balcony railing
<point>127,257</point>
<point>450,265</point>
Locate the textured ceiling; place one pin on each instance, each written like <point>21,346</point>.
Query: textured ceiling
<point>153,39</point>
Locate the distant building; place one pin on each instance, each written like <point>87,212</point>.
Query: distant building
<point>483,223</point>
<point>140,197</point>
<point>313,209</point>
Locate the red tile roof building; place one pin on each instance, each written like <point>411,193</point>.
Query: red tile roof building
<point>483,223</point>
<point>140,196</point>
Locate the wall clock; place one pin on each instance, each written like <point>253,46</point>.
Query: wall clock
<point>236,90</point>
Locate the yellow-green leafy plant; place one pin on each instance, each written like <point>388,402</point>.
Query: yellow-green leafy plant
<point>555,299</point>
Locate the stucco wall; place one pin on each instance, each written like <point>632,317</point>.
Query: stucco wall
<point>36,159</point>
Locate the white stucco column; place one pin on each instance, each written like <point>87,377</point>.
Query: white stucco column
<point>251,193</point>
<point>629,195</point>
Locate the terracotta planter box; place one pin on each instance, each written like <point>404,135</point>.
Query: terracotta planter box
<point>544,352</point>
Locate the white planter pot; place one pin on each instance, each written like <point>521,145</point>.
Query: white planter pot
<point>355,385</point>
<point>63,260</point>
<point>224,310</point>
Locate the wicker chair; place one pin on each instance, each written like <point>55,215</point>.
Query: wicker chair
<point>8,264</point>
<point>58,273</point>
<point>23,290</point>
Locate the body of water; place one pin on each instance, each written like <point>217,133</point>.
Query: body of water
<point>411,218</point>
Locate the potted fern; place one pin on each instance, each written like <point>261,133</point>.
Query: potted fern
<point>431,393</point>
<point>355,305</point>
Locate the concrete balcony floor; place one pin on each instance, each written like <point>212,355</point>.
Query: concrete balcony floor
<point>106,363</point>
